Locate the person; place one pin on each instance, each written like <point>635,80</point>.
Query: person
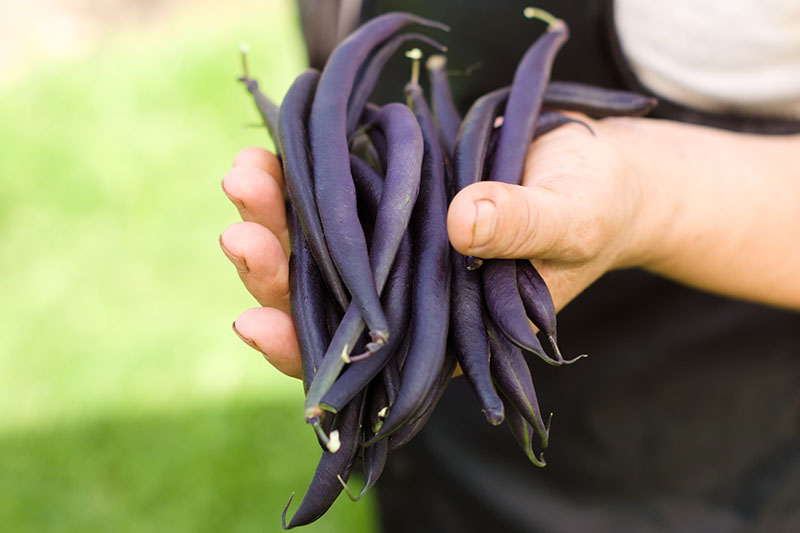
<point>674,240</point>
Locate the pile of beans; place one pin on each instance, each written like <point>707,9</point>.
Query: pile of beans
<point>384,307</point>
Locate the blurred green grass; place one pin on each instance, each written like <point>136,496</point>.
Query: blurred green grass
<point>128,404</point>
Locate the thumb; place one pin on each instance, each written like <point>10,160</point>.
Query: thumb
<point>492,219</point>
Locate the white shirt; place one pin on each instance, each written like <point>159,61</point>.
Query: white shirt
<point>739,56</point>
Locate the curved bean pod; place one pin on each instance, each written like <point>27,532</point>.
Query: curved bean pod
<point>505,306</point>
<point>333,181</point>
<point>370,74</point>
<point>551,120</point>
<point>410,430</point>
<point>395,299</point>
<point>404,141</point>
<point>374,457</point>
<point>596,101</point>
<point>539,304</point>
<point>444,108</point>
<point>523,433</point>
<point>524,102</point>
<point>469,341</point>
<point>292,140</point>
<point>514,381</point>
<point>431,297</point>
<point>325,485</point>
<point>306,290</point>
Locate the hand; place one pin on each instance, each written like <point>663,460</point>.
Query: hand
<point>259,249</point>
<point>576,200</point>
<point>576,215</point>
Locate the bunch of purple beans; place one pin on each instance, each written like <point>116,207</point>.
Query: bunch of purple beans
<point>384,308</point>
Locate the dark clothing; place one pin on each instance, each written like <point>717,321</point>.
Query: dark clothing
<point>686,415</point>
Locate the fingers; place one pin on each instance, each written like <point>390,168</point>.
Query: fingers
<point>254,185</point>
<point>256,157</point>
<point>271,332</point>
<point>259,199</point>
<point>261,262</point>
<point>491,219</point>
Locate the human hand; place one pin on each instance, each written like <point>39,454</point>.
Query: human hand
<point>574,214</point>
<point>259,249</point>
<point>577,214</point>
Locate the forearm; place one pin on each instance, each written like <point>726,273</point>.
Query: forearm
<point>722,210</point>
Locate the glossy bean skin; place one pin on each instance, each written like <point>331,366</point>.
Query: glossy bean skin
<point>468,338</point>
<point>504,305</point>
<point>395,299</point>
<point>401,187</point>
<point>366,81</point>
<point>519,123</point>
<point>325,485</point>
<point>333,181</point>
<point>308,294</point>
<point>536,298</point>
<point>524,102</point>
<point>410,430</point>
<point>514,381</point>
<point>293,142</point>
<point>596,101</point>
<point>473,137</point>
<point>431,295</point>
<point>523,433</point>
<point>444,108</point>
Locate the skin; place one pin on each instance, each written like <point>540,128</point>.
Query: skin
<point>711,209</point>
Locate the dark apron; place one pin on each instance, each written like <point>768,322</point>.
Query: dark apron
<point>686,415</point>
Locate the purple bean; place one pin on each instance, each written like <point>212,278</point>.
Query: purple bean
<point>596,101</point>
<point>372,71</point>
<point>444,108</point>
<point>473,137</point>
<point>391,376</point>
<point>410,430</point>
<point>297,172</point>
<point>431,295</point>
<point>524,102</point>
<point>397,302</point>
<point>374,457</point>
<point>306,290</point>
<point>268,109</point>
<point>333,182</point>
<point>505,306</point>
<point>551,120</point>
<point>539,304</point>
<point>325,485</point>
<point>514,381</point>
<point>401,187</point>
<point>468,338</point>
<point>523,432</point>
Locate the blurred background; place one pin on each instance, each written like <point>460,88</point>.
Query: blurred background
<point>126,401</point>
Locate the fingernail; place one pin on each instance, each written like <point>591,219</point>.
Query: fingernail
<point>485,223</point>
<point>238,262</point>
<point>238,203</point>
<point>247,341</point>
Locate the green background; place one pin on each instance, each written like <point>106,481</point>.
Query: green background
<point>126,402</point>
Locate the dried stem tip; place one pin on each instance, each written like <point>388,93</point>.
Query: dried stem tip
<point>540,14</point>
<point>415,54</point>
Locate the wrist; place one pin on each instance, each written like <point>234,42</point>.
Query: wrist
<point>651,199</point>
